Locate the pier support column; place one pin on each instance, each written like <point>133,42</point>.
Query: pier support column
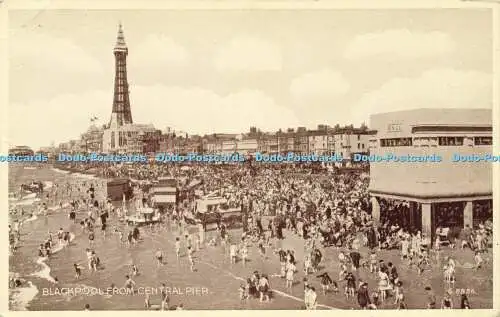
<point>375,210</point>
<point>427,220</point>
<point>413,211</point>
<point>468,214</point>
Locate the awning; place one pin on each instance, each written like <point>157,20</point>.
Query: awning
<point>146,210</point>
<point>432,189</point>
<point>165,199</point>
<point>164,190</point>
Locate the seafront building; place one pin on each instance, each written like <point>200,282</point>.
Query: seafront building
<point>21,150</point>
<point>92,139</point>
<point>432,195</point>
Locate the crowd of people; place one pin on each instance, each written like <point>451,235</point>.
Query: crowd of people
<point>327,211</point>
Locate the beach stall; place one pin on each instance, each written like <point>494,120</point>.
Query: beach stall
<point>165,193</point>
<point>213,210</point>
<point>117,188</point>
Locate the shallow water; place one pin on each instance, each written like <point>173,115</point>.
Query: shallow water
<point>117,260</point>
<point>22,296</point>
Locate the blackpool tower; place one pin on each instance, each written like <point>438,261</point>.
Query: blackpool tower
<point>121,113</point>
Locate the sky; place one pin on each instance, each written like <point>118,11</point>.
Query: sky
<point>208,71</point>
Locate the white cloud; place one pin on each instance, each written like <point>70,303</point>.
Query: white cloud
<point>248,54</point>
<point>62,118</point>
<point>399,44</point>
<point>318,85</point>
<point>439,88</point>
<point>157,50</point>
<point>54,55</point>
<point>193,110</point>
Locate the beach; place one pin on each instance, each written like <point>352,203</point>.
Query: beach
<point>222,285</point>
<point>213,285</point>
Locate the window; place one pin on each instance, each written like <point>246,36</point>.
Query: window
<point>469,141</point>
<point>359,146</point>
<point>359,136</point>
<point>397,142</point>
<point>451,141</point>
<point>483,140</point>
<point>363,146</point>
<point>425,142</point>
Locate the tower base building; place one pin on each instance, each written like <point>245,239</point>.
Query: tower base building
<point>121,135</point>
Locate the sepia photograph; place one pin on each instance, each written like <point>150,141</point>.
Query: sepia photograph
<point>209,159</point>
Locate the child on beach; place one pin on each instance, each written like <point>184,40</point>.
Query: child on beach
<point>307,264</point>
<point>177,247</point>
<point>373,262</point>
<point>243,293</point>
<point>290,272</point>
<point>91,238</point>
<point>191,259</point>
<point>129,285</point>
<point>147,303</point>
<point>135,270</point>
<point>262,249</point>
<point>326,282</point>
<point>478,260</point>
<point>244,253</point>
<point>165,300</point>
<point>159,257</point>
<point>405,248</point>
<point>60,235</point>
<point>78,271</point>
<point>232,253</point>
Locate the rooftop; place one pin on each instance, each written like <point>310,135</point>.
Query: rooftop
<point>430,190</point>
<point>427,116</point>
<point>120,40</point>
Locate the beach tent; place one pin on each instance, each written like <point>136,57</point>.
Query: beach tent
<point>117,189</point>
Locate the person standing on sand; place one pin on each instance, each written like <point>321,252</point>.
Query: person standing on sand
<point>177,247</point>
<point>165,300</point>
<point>91,238</point>
<point>159,257</point>
<point>129,285</point>
<point>191,259</point>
